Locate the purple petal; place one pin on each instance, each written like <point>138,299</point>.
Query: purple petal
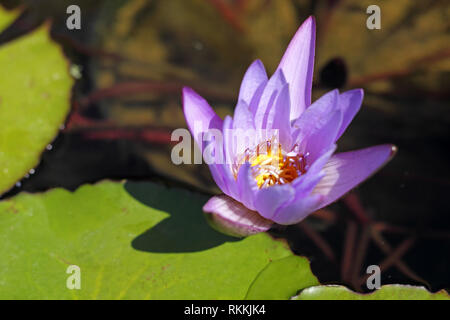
<point>298,64</point>
<point>271,90</point>
<point>254,102</point>
<point>244,133</point>
<point>268,200</point>
<point>229,149</point>
<point>199,115</point>
<point>229,156</point>
<point>317,114</point>
<point>247,187</point>
<point>344,171</point>
<point>305,183</point>
<point>278,117</point>
<point>243,118</point>
<point>304,203</point>
<point>317,127</point>
<point>231,217</point>
<point>230,142</point>
<point>218,177</point>
<point>322,139</point>
<point>297,210</point>
<point>349,103</point>
<point>253,78</point>
<point>223,178</point>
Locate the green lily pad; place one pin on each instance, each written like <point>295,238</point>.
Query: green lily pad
<point>387,292</point>
<point>34,100</point>
<point>270,286</point>
<point>7,17</point>
<point>133,241</point>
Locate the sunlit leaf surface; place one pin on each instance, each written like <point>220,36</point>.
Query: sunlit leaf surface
<point>269,285</point>
<point>135,241</point>
<point>388,292</point>
<point>34,100</point>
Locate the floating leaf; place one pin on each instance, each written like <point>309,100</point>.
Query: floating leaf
<point>6,18</point>
<point>134,241</point>
<point>270,286</point>
<point>387,292</point>
<point>34,100</point>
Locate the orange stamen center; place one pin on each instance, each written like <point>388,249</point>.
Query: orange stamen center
<point>271,165</point>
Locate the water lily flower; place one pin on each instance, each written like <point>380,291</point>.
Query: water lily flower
<point>283,181</point>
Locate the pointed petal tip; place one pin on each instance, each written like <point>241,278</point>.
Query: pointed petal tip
<point>187,90</point>
<point>311,20</point>
<point>335,93</point>
<point>390,151</point>
<point>345,171</point>
<point>280,73</point>
<point>259,63</point>
<point>394,150</point>
<point>228,216</point>
<point>310,23</point>
<point>357,91</point>
<point>298,64</point>
<point>254,76</point>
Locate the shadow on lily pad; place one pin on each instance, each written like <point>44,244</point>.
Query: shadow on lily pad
<point>186,230</point>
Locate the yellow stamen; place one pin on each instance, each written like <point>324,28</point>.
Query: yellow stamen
<point>273,166</point>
